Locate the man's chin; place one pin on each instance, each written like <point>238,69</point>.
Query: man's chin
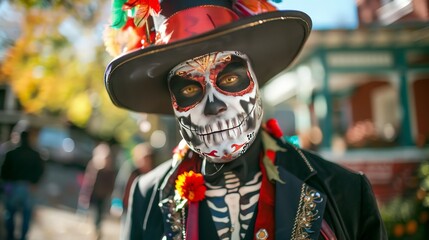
<point>222,160</point>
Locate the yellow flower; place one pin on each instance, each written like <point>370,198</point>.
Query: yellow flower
<point>190,185</point>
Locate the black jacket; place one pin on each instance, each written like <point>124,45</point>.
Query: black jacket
<point>22,164</point>
<point>348,204</point>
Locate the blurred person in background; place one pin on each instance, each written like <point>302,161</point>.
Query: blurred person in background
<point>5,147</point>
<point>21,171</point>
<point>97,186</point>
<point>141,163</point>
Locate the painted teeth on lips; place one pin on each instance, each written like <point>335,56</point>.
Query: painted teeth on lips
<point>224,126</point>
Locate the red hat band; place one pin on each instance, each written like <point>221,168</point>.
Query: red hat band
<point>194,21</point>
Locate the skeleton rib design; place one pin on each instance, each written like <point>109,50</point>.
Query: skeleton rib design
<point>230,220</point>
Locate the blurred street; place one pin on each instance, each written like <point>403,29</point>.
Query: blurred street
<point>56,217</point>
<point>54,224</point>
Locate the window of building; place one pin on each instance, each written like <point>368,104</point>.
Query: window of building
<point>365,112</point>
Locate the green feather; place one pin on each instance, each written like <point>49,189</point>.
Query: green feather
<point>119,16</point>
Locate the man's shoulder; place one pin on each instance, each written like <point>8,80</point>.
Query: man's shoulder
<point>329,168</point>
<point>153,178</point>
<point>22,150</point>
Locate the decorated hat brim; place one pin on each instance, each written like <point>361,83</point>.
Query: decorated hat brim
<point>137,81</point>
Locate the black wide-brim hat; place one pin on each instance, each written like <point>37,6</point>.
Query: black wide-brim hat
<point>137,80</point>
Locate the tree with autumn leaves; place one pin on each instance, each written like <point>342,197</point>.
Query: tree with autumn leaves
<point>56,65</point>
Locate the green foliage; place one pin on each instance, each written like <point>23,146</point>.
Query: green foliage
<point>407,216</point>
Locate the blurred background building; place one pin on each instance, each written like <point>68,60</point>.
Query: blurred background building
<point>357,94</point>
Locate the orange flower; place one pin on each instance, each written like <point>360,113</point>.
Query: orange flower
<point>412,227</point>
<point>398,230</point>
<point>190,185</point>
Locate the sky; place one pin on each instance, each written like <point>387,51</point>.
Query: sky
<point>9,26</point>
<point>326,14</point>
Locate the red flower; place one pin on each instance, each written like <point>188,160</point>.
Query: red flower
<point>190,185</point>
<point>273,128</point>
<point>271,155</point>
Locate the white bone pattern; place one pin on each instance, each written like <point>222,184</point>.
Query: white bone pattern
<point>233,205</point>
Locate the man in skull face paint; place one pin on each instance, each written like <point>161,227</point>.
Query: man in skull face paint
<point>216,101</point>
<point>232,177</point>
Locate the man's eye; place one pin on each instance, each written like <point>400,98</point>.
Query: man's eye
<point>228,80</point>
<point>190,91</point>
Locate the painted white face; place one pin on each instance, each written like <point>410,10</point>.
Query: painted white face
<point>217,104</point>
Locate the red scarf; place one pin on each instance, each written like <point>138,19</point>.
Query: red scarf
<point>265,218</point>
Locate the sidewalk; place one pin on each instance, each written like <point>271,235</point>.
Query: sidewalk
<point>57,224</point>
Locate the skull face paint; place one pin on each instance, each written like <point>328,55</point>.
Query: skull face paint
<point>217,104</point>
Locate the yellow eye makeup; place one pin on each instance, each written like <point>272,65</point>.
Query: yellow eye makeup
<point>190,91</point>
<point>228,80</point>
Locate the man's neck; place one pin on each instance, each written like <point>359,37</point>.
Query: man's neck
<point>244,167</point>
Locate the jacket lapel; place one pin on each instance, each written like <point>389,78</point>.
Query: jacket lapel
<point>299,208</point>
